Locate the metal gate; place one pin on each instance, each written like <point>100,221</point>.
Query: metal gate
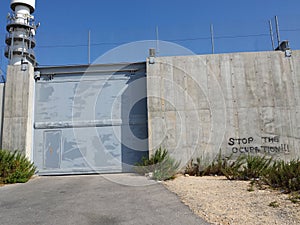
<point>90,119</point>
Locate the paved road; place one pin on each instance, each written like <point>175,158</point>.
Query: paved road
<point>90,200</point>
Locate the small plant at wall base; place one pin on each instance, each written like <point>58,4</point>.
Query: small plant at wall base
<point>160,164</point>
<point>194,168</point>
<point>261,170</point>
<point>15,167</point>
<point>284,175</point>
<point>217,166</point>
<point>247,167</point>
<point>148,164</point>
<point>200,167</point>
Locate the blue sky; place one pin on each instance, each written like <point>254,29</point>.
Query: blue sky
<point>240,25</point>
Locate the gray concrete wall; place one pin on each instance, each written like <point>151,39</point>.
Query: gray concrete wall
<point>2,86</point>
<point>237,103</point>
<point>18,110</point>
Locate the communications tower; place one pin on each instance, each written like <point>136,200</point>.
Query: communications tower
<point>21,30</point>
<point>17,127</point>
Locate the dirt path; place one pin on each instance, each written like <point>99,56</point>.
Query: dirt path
<point>221,201</point>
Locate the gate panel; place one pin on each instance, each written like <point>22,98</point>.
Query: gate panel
<point>90,122</point>
<point>52,149</point>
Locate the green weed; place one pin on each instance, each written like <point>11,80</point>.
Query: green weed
<point>160,164</point>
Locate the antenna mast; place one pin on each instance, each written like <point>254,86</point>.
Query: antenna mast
<point>157,41</point>
<point>21,30</point>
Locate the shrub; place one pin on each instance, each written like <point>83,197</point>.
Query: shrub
<point>233,170</point>
<point>166,169</point>
<point>202,168</point>
<point>15,167</point>
<point>247,167</point>
<point>196,168</point>
<point>284,175</point>
<point>217,166</point>
<point>160,164</point>
<point>148,164</point>
<point>255,167</point>
<point>260,169</point>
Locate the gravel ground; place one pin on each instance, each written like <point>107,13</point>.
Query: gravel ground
<point>220,201</point>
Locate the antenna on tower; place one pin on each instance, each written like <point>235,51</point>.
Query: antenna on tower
<point>157,41</point>
<point>272,34</point>
<point>89,47</point>
<point>282,45</point>
<point>212,38</point>
<point>277,30</point>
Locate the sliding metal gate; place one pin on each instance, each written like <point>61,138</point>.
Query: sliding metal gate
<point>90,119</point>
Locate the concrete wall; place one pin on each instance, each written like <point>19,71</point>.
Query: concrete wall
<point>2,86</point>
<point>237,103</point>
<point>18,110</point>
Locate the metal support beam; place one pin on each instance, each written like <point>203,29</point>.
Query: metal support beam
<point>212,38</point>
<point>277,30</point>
<point>89,47</point>
<point>272,35</point>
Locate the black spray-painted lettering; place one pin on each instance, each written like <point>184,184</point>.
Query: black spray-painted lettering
<point>269,145</point>
<point>245,150</point>
<point>238,141</point>
<point>275,139</point>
